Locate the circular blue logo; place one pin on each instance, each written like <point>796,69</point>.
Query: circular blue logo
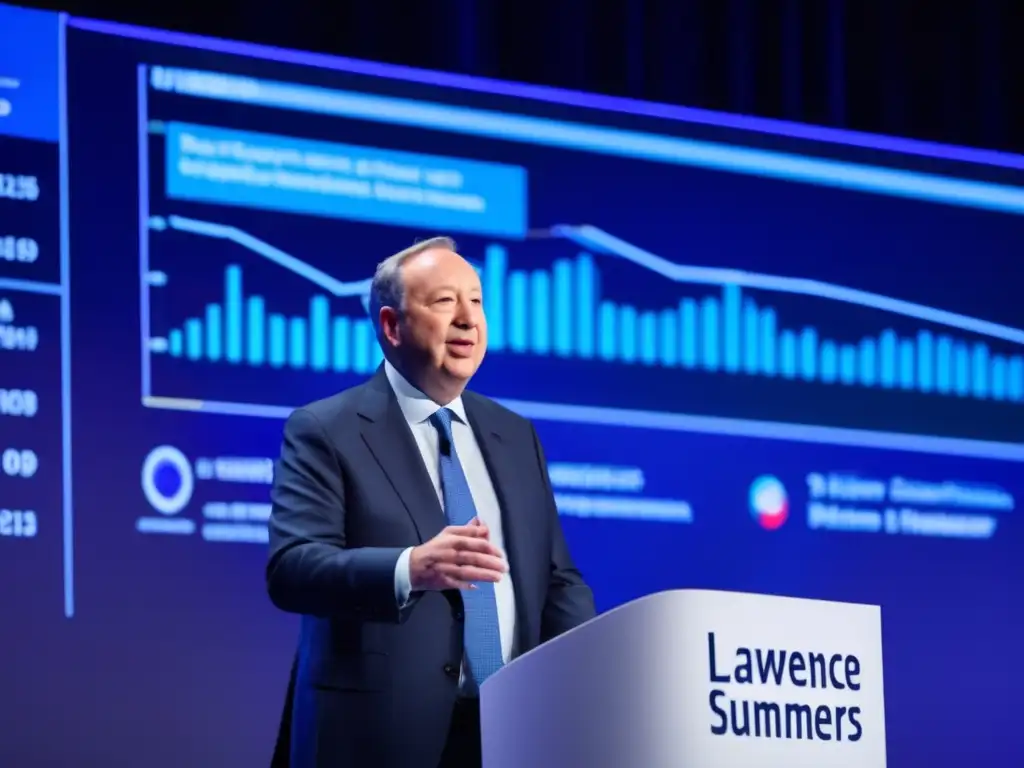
<point>167,480</point>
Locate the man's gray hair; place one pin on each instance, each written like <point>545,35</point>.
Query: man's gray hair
<point>387,289</point>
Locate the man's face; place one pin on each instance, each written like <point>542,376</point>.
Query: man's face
<point>442,332</point>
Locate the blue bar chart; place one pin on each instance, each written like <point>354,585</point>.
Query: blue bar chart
<point>241,331</point>
<point>562,312</point>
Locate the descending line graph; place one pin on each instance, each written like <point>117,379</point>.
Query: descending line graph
<point>279,257</point>
<point>734,334</point>
<point>599,241</point>
<point>241,330</point>
<point>724,324</point>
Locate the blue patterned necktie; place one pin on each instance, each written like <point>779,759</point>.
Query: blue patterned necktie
<point>482,638</point>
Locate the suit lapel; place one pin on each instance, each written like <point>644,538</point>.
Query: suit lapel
<point>391,442</point>
<point>501,465</point>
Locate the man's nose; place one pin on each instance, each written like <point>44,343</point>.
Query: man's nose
<point>465,316</point>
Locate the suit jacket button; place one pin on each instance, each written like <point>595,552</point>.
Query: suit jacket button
<point>450,670</point>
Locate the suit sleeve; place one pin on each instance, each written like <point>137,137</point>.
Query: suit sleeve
<point>569,602</point>
<point>310,569</point>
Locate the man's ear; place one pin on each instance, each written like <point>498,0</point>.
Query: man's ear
<point>389,326</point>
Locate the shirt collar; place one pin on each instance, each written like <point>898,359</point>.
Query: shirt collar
<point>416,406</point>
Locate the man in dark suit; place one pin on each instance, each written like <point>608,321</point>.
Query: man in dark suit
<point>414,528</point>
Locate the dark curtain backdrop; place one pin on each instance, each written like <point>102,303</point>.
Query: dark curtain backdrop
<point>943,70</point>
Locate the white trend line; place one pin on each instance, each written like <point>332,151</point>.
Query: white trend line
<point>600,241</point>
<point>276,255</point>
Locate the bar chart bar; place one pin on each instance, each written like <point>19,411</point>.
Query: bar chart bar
<point>999,382</point>
<point>540,308</point>
<point>255,349</point>
<point>277,326</point>
<point>362,337</point>
<point>887,358</point>
<point>979,370</point>
<point>648,338</point>
<point>233,313</point>
<point>829,362</point>
<point>787,354</point>
<point>627,333</point>
<point>710,324</point>
<point>563,307</point>
<point>586,305</point>
<point>607,330</point>
<point>320,335</point>
<point>668,338</point>
<point>808,353</point>
<point>297,342</point>
<point>1015,375</point>
<point>848,364</point>
<point>925,361</point>
<point>907,364</point>
<point>495,269</point>
<point>688,311</point>
<point>731,318</point>
<point>214,332</point>
<point>194,338</point>
<point>962,363</point>
<point>868,373</point>
<point>944,364</point>
<point>769,334</point>
<point>751,338</point>
<point>517,286</point>
<point>341,354</point>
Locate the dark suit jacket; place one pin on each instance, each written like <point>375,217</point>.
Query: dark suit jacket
<point>372,685</point>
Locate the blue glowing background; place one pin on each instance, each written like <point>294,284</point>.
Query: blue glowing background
<point>690,313</point>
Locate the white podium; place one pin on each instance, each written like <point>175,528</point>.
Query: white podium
<point>696,678</point>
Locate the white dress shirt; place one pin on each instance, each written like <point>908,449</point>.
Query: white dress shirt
<point>417,409</point>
